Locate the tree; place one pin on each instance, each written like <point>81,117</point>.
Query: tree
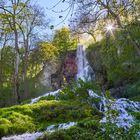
<point>11,13</point>
<point>64,41</point>
<point>33,19</point>
<point>45,52</point>
<point>23,20</point>
<point>89,13</point>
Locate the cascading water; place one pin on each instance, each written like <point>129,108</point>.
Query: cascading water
<point>122,106</point>
<point>34,136</point>
<point>84,70</point>
<point>54,93</point>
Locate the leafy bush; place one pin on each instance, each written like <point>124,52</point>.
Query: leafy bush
<point>58,135</point>
<point>89,123</point>
<point>91,129</point>
<point>78,90</point>
<point>136,115</point>
<point>132,90</point>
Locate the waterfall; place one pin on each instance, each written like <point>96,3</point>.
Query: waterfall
<point>84,70</point>
<point>123,107</point>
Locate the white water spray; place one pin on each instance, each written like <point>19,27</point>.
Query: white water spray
<point>124,119</point>
<point>84,70</point>
<point>34,136</point>
<point>122,107</point>
<point>54,93</point>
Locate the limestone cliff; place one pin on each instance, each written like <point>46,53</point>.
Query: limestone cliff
<point>48,73</point>
<point>58,72</point>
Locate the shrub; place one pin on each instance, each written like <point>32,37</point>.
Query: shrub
<point>69,134</point>
<point>78,90</point>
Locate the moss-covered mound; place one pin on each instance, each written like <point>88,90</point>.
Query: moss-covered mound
<point>20,119</point>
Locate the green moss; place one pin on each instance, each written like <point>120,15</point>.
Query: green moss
<point>75,132</point>
<point>85,130</point>
<point>50,97</point>
<point>91,129</point>
<point>20,119</point>
<point>132,91</point>
<point>58,135</point>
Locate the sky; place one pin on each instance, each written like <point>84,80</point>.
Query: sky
<point>55,20</point>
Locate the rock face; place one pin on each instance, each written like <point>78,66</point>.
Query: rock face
<point>49,77</point>
<point>69,70</point>
<point>95,61</point>
<point>58,72</point>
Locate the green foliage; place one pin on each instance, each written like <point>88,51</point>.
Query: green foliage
<point>46,51</point>
<point>91,129</point>
<point>78,90</point>
<point>117,57</point>
<point>85,130</point>
<point>70,134</point>
<point>20,119</point>
<point>132,91</point>
<point>15,123</point>
<point>64,41</point>
<point>7,55</point>
<point>34,89</point>
<point>6,65</point>
<point>90,123</point>
<point>50,97</point>
<point>117,133</point>
<point>61,135</point>
<point>136,115</point>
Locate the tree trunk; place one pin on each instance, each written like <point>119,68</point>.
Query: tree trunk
<point>16,74</point>
<point>25,67</point>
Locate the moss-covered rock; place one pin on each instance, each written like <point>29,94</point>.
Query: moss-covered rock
<point>20,119</point>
